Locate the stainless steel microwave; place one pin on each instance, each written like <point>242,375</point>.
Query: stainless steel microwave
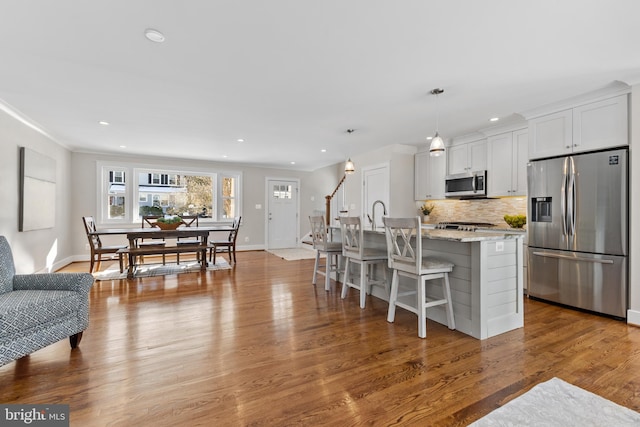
<point>466,185</point>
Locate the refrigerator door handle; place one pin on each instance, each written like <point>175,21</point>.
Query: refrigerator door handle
<point>563,197</point>
<point>574,258</point>
<point>571,198</point>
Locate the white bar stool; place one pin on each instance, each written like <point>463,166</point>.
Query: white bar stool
<point>355,251</point>
<point>332,251</point>
<point>404,247</point>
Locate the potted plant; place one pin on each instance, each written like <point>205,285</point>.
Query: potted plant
<point>515,221</point>
<point>426,210</point>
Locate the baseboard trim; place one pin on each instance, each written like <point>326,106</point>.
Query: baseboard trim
<point>633,317</point>
<point>58,265</point>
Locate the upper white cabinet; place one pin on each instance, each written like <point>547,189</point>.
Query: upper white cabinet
<point>551,135</point>
<point>601,124</point>
<point>508,155</point>
<point>587,127</point>
<point>468,157</point>
<point>429,176</point>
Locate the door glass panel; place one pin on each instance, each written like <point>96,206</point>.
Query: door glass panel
<point>282,191</point>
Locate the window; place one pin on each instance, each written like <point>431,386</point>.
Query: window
<point>154,178</point>
<point>229,189</point>
<point>281,191</point>
<point>116,177</point>
<point>165,192</point>
<point>114,191</point>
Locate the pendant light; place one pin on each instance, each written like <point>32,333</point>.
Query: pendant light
<point>349,167</point>
<point>437,144</point>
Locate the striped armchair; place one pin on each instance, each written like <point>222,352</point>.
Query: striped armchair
<point>39,309</point>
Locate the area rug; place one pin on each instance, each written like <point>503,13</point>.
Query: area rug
<point>147,270</point>
<point>558,403</point>
<point>293,254</point>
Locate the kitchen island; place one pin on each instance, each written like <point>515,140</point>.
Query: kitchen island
<point>486,281</point>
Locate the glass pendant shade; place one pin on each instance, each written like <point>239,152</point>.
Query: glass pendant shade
<point>349,167</point>
<point>437,146</point>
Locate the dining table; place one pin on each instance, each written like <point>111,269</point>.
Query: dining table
<point>134,235</point>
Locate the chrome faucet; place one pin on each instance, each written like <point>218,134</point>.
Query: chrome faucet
<point>373,213</point>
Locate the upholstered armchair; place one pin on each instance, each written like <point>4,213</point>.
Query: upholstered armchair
<point>39,309</point>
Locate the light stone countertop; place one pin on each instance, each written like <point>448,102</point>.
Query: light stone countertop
<point>468,236</point>
<point>463,236</point>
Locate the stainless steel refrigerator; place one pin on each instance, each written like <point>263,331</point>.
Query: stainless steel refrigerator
<point>577,231</point>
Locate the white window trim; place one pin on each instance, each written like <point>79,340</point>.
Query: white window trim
<point>132,171</point>
<point>236,198</point>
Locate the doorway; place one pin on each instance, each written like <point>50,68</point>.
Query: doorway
<point>282,213</point>
<point>375,187</point>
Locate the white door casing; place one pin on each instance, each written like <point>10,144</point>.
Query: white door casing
<point>375,183</point>
<point>282,213</point>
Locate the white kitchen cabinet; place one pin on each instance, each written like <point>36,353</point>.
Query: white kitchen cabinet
<point>520,161</point>
<point>429,176</point>
<point>592,126</point>
<point>551,135</point>
<point>469,157</point>
<point>508,155</point>
<point>601,124</point>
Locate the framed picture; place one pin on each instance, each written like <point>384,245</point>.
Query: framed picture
<point>37,191</point>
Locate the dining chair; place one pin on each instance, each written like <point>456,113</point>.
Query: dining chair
<point>188,221</point>
<point>356,251</point>
<point>331,250</point>
<point>97,248</point>
<point>404,249</point>
<point>149,221</point>
<point>229,245</point>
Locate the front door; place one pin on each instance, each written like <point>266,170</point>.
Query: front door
<point>282,214</point>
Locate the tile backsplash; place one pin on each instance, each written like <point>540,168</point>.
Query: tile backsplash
<point>477,210</point>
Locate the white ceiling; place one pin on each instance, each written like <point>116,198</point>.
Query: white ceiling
<point>291,76</point>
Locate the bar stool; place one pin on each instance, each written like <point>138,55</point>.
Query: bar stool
<point>332,251</point>
<point>355,251</point>
<point>404,247</point>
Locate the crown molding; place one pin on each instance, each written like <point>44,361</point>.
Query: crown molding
<point>29,122</point>
<point>464,139</point>
<point>508,124</point>
<point>615,88</point>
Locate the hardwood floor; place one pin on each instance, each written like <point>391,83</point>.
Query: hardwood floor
<point>259,345</point>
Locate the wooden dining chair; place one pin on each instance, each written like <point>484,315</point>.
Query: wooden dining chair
<point>97,248</point>
<point>149,221</point>
<point>404,248</point>
<point>229,245</point>
<point>188,221</point>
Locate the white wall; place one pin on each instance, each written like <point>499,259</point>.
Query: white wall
<point>633,315</point>
<point>37,250</point>
<point>401,165</point>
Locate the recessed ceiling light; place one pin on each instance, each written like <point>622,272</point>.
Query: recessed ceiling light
<point>293,163</point>
<point>224,156</point>
<point>240,140</point>
<point>154,35</point>
<point>494,119</point>
<point>323,150</point>
<point>429,138</point>
<point>103,123</point>
<point>123,146</point>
